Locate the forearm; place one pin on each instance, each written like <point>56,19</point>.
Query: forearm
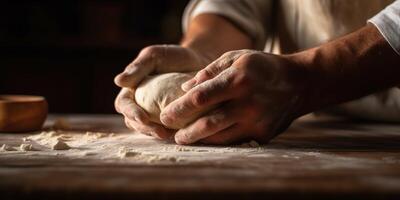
<point>211,35</point>
<point>353,66</point>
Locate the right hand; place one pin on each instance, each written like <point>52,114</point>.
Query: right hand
<point>156,59</point>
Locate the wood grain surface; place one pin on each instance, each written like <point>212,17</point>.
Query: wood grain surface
<point>317,158</point>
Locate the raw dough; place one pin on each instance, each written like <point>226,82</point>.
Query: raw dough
<point>156,92</point>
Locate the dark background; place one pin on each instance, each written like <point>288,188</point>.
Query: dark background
<point>69,51</point>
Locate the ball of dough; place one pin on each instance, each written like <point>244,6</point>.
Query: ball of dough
<point>156,92</point>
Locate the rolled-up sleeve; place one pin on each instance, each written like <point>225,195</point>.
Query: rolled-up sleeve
<point>251,16</point>
<point>388,23</point>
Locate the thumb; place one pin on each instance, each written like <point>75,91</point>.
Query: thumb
<point>157,59</point>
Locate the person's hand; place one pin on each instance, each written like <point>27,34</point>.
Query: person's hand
<point>258,96</point>
<point>155,59</point>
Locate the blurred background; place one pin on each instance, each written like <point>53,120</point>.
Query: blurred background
<point>69,51</point>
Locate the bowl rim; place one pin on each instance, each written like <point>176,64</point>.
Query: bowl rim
<point>17,98</point>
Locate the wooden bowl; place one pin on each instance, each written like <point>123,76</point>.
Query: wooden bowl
<point>22,113</point>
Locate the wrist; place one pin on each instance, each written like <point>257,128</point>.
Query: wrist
<point>309,79</point>
<point>210,36</point>
<point>205,55</point>
<point>348,68</point>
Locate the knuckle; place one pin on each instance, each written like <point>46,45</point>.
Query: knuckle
<point>207,124</point>
<point>243,81</point>
<point>199,98</point>
<point>250,56</point>
<point>153,51</point>
<point>204,74</point>
<point>248,60</point>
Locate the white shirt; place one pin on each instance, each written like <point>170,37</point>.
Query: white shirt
<point>288,26</point>
<point>388,23</point>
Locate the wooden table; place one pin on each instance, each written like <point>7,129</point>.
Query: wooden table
<point>318,157</point>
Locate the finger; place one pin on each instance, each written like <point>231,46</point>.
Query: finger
<point>151,129</point>
<point>229,135</point>
<point>136,118</point>
<point>142,66</point>
<point>126,105</point>
<point>200,98</point>
<point>219,119</point>
<point>157,59</point>
<point>209,72</point>
<point>127,124</point>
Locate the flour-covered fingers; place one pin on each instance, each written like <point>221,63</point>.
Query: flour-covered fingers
<point>200,99</point>
<point>150,128</point>
<point>229,135</point>
<point>211,123</point>
<point>211,71</point>
<point>126,105</point>
<point>142,66</point>
<point>158,59</point>
<point>128,124</point>
<point>136,118</point>
<point>121,97</point>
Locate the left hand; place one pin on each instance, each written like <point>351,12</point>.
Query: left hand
<point>257,95</point>
<point>155,59</point>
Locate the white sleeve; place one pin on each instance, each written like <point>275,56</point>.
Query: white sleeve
<point>251,16</point>
<point>388,23</point>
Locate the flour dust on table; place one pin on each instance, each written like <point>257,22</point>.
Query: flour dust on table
<point>120,147</point>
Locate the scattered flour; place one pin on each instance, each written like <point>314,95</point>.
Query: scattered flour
<point>85,153</point>
<point>188,149</point>
<point>26,147</point>
<point>252,144</point>
<point>57,140</point>
<point>124,153</point>
<point>6,147</point>
<point>60,145</point>
<point>96,135</point>
<point>146,157</point>
<point>126,147</point>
